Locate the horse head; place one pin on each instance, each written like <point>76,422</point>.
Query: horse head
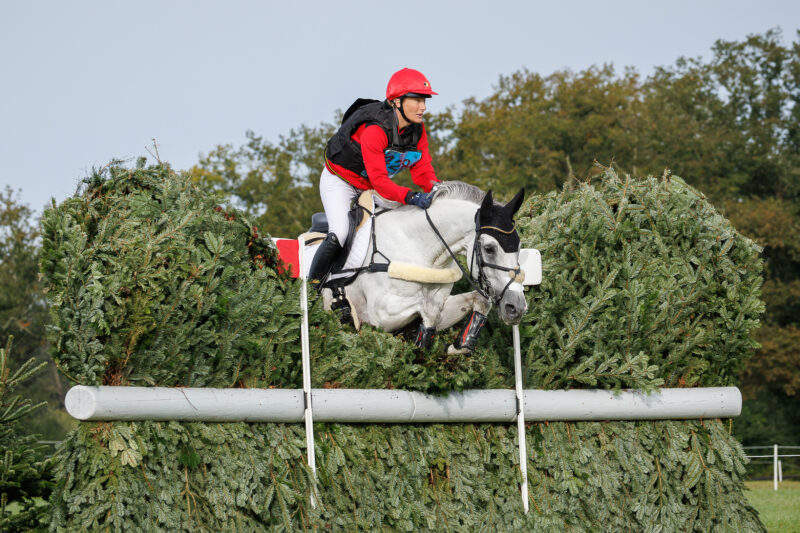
<point>495,256</point>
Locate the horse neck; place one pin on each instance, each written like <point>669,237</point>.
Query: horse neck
<point>455,220</point>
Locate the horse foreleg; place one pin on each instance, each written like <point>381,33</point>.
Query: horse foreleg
<point>455,309</point>
<point>440,310</point>
<point>457,306</point>
<point>468,338</point>
<point>424,337</point>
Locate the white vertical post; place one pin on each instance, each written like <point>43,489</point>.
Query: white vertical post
<point>775,468</point>
<point>306,362</point>
<point>780,471</point>
<point>530,262</point>
<point>523,453</point>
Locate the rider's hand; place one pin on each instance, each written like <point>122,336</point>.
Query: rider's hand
<point>419,199</point>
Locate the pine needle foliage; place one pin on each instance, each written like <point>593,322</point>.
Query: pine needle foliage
<point>24,473</point>
<point>152,283</point>
<point>588,476</point>
<point>646,285</point>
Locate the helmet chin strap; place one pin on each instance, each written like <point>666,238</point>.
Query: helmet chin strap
<point>402,113</point>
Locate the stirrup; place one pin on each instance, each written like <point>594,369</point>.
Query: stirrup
<point>341,305</point>
<point>468,337</point>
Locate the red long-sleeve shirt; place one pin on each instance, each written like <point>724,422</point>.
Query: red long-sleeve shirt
<point>373,142</point>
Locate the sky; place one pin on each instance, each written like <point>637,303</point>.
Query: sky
<point>84,82</point>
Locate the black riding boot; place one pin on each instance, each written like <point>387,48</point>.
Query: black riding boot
<point>326,254</point>
<point>469,335</point>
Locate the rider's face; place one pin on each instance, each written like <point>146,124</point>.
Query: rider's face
<point>414,108</point>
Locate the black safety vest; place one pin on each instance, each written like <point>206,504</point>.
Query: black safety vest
<point>345,152</point>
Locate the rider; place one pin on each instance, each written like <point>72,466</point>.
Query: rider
<point>375,141</point>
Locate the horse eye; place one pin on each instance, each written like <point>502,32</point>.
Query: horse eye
<point>489,249</point>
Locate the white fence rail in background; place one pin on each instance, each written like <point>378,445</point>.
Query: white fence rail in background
<point>777,464</point>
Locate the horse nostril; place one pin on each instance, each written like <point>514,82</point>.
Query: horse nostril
<point>511,310</point>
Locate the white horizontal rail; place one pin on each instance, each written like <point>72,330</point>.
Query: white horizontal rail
<point>395,406</point>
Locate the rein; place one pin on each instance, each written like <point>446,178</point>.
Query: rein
<point>467,275</point>
<point>482,287</point>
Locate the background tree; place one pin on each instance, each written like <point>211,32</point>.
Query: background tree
<point>731,124</point>
<point>23,314</point>
<point>772,380</point>
<point>535,131</point>
<point>276,184</point>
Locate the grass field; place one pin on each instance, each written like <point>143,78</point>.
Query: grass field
<point>779,510</point>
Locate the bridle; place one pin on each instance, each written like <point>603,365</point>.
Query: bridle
<point>482,287</point>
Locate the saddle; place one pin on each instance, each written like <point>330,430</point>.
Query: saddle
<point>350,260</point>
<point>359,237</point>
<point>358,216</point>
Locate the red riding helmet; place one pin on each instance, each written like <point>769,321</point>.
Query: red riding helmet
<point>409,82</point>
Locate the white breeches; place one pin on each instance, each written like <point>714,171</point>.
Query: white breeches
<point>336,196</point>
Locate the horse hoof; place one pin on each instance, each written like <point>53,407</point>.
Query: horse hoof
<point>452,350</point>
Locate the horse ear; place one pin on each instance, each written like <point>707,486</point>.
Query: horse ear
<point>487,206</point>
<point>488,201</point>
<point>513,206</point>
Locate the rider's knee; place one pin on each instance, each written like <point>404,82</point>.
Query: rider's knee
<point>341,233</point>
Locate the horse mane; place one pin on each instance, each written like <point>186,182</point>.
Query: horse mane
<point>458,190</point>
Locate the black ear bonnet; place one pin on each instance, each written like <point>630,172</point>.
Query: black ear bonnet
<point>498,221</point>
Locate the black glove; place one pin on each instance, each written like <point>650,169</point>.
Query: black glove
<point>419,199</point>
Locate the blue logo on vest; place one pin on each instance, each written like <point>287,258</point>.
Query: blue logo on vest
<point>397,161</point>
